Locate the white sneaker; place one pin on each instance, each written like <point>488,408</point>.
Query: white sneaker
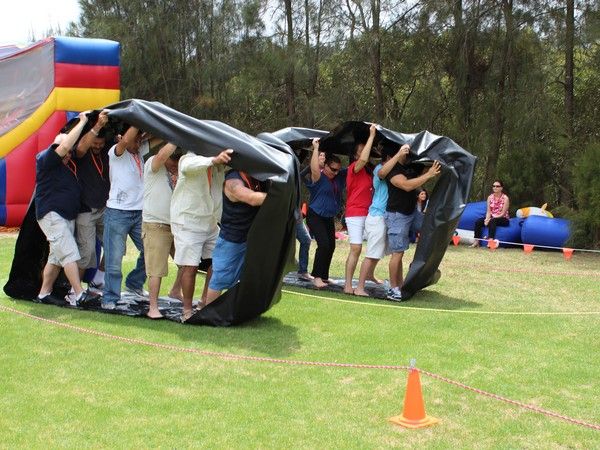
<point>394,294</point>
<point>71,298</point>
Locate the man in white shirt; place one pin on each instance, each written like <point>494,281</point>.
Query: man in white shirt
<point>160,178</point>
<point>123,217</point>
<point>196,208</point>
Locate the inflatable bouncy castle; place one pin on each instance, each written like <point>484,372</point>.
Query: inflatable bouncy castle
<point>42,86</point>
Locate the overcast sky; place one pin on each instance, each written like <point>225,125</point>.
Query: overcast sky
<point>20,18</point>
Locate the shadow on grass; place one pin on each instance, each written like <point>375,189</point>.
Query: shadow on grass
<point>264,335</point>
<point>433,299</point>
<point>422,299</point>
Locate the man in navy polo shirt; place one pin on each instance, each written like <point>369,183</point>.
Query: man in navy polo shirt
<point>57,202</point>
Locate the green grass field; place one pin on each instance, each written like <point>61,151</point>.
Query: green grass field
<point>524,326</point>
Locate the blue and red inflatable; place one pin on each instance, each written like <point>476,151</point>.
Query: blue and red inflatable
<point>535,230</point>
<point>41,87</point>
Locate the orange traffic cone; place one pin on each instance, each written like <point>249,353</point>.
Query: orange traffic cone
<point>455,240</point>
<point>527,248</point>
<point>567,253</point>
<point>413,415</point>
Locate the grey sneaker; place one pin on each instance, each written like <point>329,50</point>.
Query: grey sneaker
<point>394,294</point>
<point>138,292</point>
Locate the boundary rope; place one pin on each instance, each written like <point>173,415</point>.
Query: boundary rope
<point>453,311</point>
<point>232,356</point>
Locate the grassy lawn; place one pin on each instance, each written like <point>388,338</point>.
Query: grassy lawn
<point>495,321</point>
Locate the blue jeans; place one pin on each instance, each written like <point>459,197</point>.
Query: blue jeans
<point>304,240</point>
<point>117,225</point>
<point>227,263</point>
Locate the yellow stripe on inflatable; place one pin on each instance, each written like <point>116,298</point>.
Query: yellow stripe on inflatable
<point>60,99</point>
<point>29,126</point>
<point>80,99</point>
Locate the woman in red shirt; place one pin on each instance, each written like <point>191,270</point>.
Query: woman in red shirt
<point>359,189</point>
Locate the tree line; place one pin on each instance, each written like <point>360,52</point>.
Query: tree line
<point>516,83</point>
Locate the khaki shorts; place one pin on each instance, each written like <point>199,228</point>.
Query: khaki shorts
<point>193,246</point>
<point>60,235</point>
<point>158,244</point>
<point>89,226</point>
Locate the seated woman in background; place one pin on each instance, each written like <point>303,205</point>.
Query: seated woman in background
<point>496,214</point>
<point>422,199</point>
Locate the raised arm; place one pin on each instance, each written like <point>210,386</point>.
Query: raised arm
<point>85,143</point>
<point>363,159</point>
<point>127,140</point>
<point>199,163</point>
<point>69,140</point>
<point>315,169</point>
<point>401,182</point>
<point>399,157</point>
<point>161,157</point>
<point>236,191</point>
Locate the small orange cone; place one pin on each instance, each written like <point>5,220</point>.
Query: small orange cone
<point>527,248</point>
<point>455,240</point>
<point>413,415</point>
<point>492,244</point>
<point>567,253</point>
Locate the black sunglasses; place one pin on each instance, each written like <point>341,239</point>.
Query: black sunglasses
<point>336,170</point>
<point>496,185</point>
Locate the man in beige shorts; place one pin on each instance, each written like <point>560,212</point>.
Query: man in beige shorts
<point>57,202</point>
<point>160,178</point>
<point>196,208</point>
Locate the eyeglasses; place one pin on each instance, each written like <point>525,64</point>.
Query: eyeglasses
<point>496,185</point>
<point>334,169</point>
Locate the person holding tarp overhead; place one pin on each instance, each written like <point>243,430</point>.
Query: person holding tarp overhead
<point>403,182</point>
<point>196,209</point>
<point>326,187</point>
<point>242,198</point>
<point>123,217</point>
<point>57,202</point>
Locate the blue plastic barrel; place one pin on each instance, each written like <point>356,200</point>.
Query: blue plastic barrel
<point>539,230</point>
<point>472,212</point>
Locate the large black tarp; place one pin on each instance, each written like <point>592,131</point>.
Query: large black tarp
<point>270,157</point>
<point>446,202</point>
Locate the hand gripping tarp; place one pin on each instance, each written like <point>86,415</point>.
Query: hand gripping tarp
<point>272,233</point>
<point>446,202</point>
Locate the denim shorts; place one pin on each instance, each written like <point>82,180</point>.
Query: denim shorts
<point>398,228</point>
<point>227,263</point>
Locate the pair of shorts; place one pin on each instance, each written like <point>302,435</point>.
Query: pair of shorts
<point>398,229</point>
<point>192,246</point>
<point>356,229</point>
<point>60,234</point>
<point>228,261</point>
<point>89,227</point>
<point>158,245</point>
<point>376,233</point>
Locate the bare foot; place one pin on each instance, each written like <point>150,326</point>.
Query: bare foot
<point>306,276</point>
<point>348,291</point>
<point>360,293</point>
<point>176,295</point>
<point>318,283</point>
<point>154,314</point>
<point>375,280</point>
